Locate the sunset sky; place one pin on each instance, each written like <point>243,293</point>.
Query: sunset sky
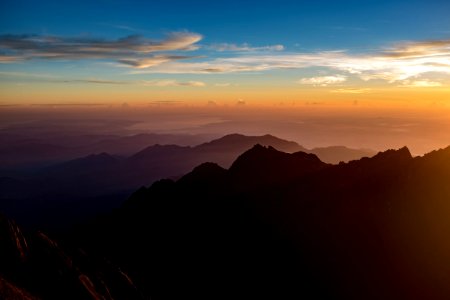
<point>328,60</point>
<point>260,52</point>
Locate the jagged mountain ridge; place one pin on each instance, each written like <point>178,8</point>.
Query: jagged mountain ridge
<point>296,226</point>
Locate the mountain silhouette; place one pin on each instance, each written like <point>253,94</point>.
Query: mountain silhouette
<point>99,182</point>
<point>27,150</point>
<point>280,225</point>
<point>261,167</point>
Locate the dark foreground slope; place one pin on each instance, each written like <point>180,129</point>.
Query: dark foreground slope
<point>284,226</point>
<point>34,266</point>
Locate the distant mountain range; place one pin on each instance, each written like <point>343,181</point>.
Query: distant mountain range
<point>274,225</point>
<point>18,151</point>
<point>84,186</point>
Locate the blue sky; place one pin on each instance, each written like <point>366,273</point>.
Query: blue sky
<point>306,24</point>
<point>314,24</point>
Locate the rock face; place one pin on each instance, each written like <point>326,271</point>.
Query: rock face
<point>37,267</point>
<point>274,225</point>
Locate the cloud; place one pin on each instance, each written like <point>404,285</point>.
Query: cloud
<point>323,80</point>
<point>151,61</point>
<point>99,81</point>
<point>225,84</point>
<point>132,50</point>
<point>53,79</point>
<point>9,58</point>
<point>241,102</point>
<point>245,47</point>
<point>420,83</point>
<point>165,102</point>
<point>170,82</point>
<point>68,104</point>
<point>412,61</point>
<point>406,64</point>
<point>352,91</point>
<point>26,74</point>
<point>419,49</point>
<point>250,63</point>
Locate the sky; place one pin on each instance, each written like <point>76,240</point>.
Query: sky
<point>391,56</point>
<point>260,52</point>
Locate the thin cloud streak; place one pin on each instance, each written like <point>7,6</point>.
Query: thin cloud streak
<point>26,74</point>
<point>420,83</point>
<point>53,79</point>
<point>323,80</point>
<point>149,83</point>
<point>100,81</point>
<point>352,91</point>
<point>152,61</point>
<point>244,47</point>
<point>170,82</point>
<point>419,49</point>
<point>10,58</point>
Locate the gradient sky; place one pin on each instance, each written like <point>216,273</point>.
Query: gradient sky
<point>378,53</point>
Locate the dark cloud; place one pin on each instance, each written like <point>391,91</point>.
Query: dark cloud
<point>131,50</point>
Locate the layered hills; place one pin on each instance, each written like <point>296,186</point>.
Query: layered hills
<point>82,187</point>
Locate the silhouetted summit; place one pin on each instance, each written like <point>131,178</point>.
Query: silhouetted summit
<point>395,155</point>
<point>245,142</point>
<point>261,166</point>
<point>205,173</point>
<point>261,156</point>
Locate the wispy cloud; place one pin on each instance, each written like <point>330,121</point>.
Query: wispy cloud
<point>132,50</point>
<point>156,83</point>
<point>412,64</point>
<point>54,79</point>
<point>68,104</point>
<point>323,80</point>
<point>419,49</point>
<point>142,63</point>
<point>223,84</point>
<point>123,27</point>
<point>170,82</point>
<point>249,63</point>
<point>99,81</point>
<point>402,62</point>
<point>352,91</point>
<point>420,83</point>
<point>244,47</point>
<point>25,74</point>
<point>10,58</point>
